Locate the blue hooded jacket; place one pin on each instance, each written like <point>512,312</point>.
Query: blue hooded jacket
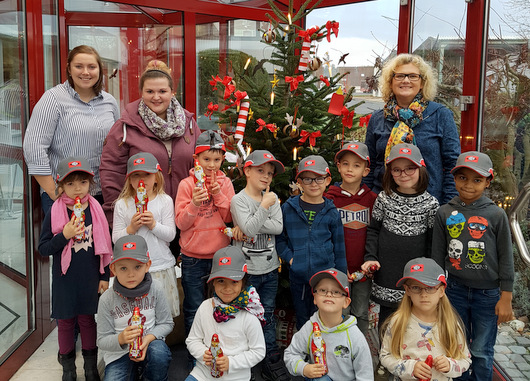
<point>313,247</point>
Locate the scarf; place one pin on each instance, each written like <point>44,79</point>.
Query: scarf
<point>100,230</point>
<point>406,119</point>
<point>247,300</point>
<point>174,127</point>
<point>134,293</point>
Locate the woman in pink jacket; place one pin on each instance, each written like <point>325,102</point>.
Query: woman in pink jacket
<point>155,123</point>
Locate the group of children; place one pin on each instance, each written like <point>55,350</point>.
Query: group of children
<point>334,241</point>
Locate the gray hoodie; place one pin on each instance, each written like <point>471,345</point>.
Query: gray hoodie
<point>473,243</point>
<point>347,351</point>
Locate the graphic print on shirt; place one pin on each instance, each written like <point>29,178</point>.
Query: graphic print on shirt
<point>476,251</point>
<point>425,341</point>
<point>85,243</point>
<point>341,351</point>
<point>354,216</point>
<point>456,248</point>
<point>477,226</point>
<point>455,224</point>
<point>262,246</point>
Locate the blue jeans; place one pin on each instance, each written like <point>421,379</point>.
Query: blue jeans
<point>267,286</point>
<point>302,303</point>
<point>190,378</point>
<point>323,378</point>
<point>155,366</point>
<point>195,272</point>
<point>360,301</point>
<point>477,310</point>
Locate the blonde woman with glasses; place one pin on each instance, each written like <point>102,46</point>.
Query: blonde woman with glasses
<point>408,86</point>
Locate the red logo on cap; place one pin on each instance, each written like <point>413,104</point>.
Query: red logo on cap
<point>471,158</point>
<point>353,146</point>
<point>245,267</point>
<point>405,151</point>
<point>225,261</point>
<point>267,156</point>
<point>309,163</point>
<point>441,278</point>
<point>74,164</point>
<point>158,167</point>
<point>416,268</point>
<point>139,161</point>
<point>332,272</point>
<point>129,246</point>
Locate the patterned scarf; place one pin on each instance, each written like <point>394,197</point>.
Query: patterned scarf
<point>247,300</point>
<point>174,127</point>
<point>100,230</point>
<point>406,119</point>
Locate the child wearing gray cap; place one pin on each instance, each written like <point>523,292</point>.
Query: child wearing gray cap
<point>235,315</point>
<point>472,239</point>
<point>425,325</point>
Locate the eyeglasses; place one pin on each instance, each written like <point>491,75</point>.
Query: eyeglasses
<point>413,77</point>
<point>396,172</point>
<point>418,289</point>
<point>477,226</point>
<point>334,293</point>
<point>309,180</point>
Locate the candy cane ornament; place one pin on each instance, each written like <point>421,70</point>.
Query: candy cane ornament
<point>242,119</point>
<point>306,46</point>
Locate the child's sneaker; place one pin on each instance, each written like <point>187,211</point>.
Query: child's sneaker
<point>274,371</point>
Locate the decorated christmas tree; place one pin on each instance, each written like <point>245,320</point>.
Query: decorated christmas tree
<point>292,112</point>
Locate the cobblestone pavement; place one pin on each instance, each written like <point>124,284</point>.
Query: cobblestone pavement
<point>512,352</point>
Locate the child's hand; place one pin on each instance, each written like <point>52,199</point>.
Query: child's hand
<point>422,370</point>
<point>222,363</point>
<point>103,286</point>
<point>146,340</point>
<point>503,308</point>
<point>130,333</point>
<point>268,199</point>
<point>214,185</point>
<point>441,364</point>
<point>136,223</point>
<point>366,266</point>
<point>199,195</point>
<point>71,229</point>
<point>207,358</point>
<point>237,234</point>
<point>314,370</point>
<point>147,219</point>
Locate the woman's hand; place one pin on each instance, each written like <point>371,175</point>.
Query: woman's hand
<point>136,223</point>
<point>72,228</point>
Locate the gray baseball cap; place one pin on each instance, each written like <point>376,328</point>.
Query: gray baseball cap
<point>228,262</point>
<point>476,161</point>
<point>424,270</point>
<point>260,157</point>
<point>332,273</point>
<point>209,140</point>
<point>357,148</point>
<point>130,247</point>
<point>72,164</point>
<point>313,163</point>
<point>144,162</point>
<point>406,151</point>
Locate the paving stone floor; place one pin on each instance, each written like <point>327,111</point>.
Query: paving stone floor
<point>512,353</point>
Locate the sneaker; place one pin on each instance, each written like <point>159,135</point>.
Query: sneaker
<point>274,371</point>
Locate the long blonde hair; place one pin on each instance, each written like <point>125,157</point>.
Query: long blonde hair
<point>428,80</point>
<point>450,328</point>
<point>128,191</point>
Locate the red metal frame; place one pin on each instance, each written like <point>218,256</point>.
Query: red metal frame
<point>190,64</point>
<point>405,27</point>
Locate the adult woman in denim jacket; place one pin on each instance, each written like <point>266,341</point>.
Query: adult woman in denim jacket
<point>408,87</point>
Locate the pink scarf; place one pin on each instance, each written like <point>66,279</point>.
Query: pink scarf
<point>100,230</point>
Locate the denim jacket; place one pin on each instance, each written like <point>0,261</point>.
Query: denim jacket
<point>438,140</point>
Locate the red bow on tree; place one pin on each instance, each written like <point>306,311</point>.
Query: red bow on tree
<point>325,80</point>
<point>214,81</point>
<point>332,26</point>
<point>211,109</point>
<point>294,81</point>
<point>347,117</point>
<point>311,135</point>
<point>306,34</point>
<point>240,95</point>
<point>229,88</point>
<point>270,127</point>
<point>363,120</point>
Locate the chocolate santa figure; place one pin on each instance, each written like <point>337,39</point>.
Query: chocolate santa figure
<point>228,231</point>
<point>428,361</point>
<point>141,198</point>
<point>135,351</point>
<point>216,352</point>
<point>200,176</point>
<point>80,216</point>
<point>318,348</point>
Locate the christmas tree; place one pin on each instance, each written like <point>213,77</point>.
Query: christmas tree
<point>294,112</point>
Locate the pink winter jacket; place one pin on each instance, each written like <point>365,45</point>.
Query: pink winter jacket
<point>200,226</point>
<point>128,136</point>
